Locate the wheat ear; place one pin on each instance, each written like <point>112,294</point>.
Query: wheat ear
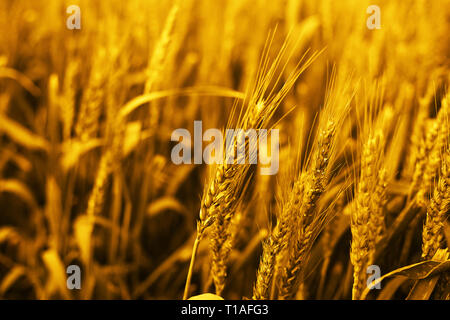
<point>309,224</point>
<point>364,220</point>
<point>276,242</point>
<point>432,233</point>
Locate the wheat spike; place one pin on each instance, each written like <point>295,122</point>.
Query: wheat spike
<point>277,241</point>
<point>432,234</point>
<point>362,218</point>
<point>436,141</point>
<point>314,182</point>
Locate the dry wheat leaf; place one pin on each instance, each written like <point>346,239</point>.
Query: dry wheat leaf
<point>73,150</point>
<point>22,79</point>
<point>177,180</point>
<point>55,266</point>
<point>447,233</point>
<point>22,135</point>
<point>19,160</point>
<point>390,288</point>
<point>9,234</point>
<point>206,296</point>
<point>83,230</point>
<point>423,289</point>
<point>11,277</point>
<point>416,271</point>
<point>132,136</point>
<point>205,90</point>
<point>166,203</point>
<point>19,189</point>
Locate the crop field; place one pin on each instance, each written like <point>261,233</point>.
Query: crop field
<point>240,149</point>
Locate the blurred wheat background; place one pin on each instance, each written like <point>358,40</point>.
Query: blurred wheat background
<point>86,176</point>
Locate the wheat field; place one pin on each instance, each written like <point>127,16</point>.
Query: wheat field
<point>357,209</point>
